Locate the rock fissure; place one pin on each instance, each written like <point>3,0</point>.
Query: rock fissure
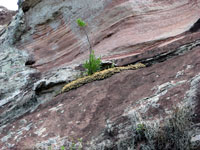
<point>165,56</point>
<point>195,27</point>
<point>148,62</point>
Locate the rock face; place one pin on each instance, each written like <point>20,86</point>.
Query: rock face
<point>117,29</point>
<point>5,16</point>
<point>42,47</point>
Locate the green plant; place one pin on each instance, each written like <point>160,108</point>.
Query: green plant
<point>113,64</point>
<point>82,25</point>
<point>76,146</point>
<point>140,127</point>
<point>73,146</point>
<point>49,148</point>
<point>62,148</point>
<point>174,133</point>
<point>93,64</point>
<point>80,22</point>
<point>80,143</point>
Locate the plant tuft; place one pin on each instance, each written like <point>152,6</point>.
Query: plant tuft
<point>80,22</point>
<point>93,64</point>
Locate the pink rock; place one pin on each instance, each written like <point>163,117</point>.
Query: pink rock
<point>127,31</point>
<point>119,29</point>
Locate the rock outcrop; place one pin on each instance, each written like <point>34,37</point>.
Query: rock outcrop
<point>42,48</point>
<point>5,17</point>
<point>117,29</point>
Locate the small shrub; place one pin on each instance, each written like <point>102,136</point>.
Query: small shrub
<point>80,22</point>
<point>62,148</point>
<point>76,146</point>
<point>93,64</point>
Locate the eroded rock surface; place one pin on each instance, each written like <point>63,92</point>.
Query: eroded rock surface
<point>117,29</point>
<point>5,17</point>
<point>48,47</point>
<point>152,93</point>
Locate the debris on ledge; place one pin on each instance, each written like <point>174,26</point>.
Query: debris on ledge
<point>99,76</point>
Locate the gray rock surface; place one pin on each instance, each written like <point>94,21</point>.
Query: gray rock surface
<point>21,86</point>
<point>14,75</point>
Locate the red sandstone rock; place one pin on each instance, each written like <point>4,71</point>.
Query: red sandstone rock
<point>153,92</point>
<point>128,31</point>
<point>119,29</point>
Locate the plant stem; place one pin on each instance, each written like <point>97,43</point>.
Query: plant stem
<point>90,49</point>
<point>88,40</point>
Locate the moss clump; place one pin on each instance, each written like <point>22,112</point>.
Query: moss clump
<point>99,76</point>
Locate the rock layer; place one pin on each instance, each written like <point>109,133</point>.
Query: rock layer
<point>117,29</point>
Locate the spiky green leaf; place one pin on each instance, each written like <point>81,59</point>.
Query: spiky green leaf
<point>80,22</point>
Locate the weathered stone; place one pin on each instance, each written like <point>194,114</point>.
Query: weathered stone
<point>117,29</point>
<point>5,18</point>
<point>20,91</point>
<point>162,34</point>
<point>27,4</point>
<point>152,93</point>
<point>5,15</point>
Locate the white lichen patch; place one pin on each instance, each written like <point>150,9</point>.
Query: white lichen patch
<point>23,121</point>
<point>40,131</point>
<point>59,107</point>
<point>2,127</point>
<point>191,93</point>
<point>54,142</point>
<point>189,67</point>
<point>13,75</point>
<point>57,76</point>
<point>195,138</point>
<point>18,135</point>
<point>10,98</point>
<point>27,128</point>
<point>168,85</point>
<point>6,138</point>
<point>152,101</point>
<point>180,73</point>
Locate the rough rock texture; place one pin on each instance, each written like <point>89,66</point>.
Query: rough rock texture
<point>152,92</point>
<point>5,17</point>
<point>48,47</point>
<point>117,29</point>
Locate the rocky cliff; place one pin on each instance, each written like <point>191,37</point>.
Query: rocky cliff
<point>152,107</point>
<point>5,16</point>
